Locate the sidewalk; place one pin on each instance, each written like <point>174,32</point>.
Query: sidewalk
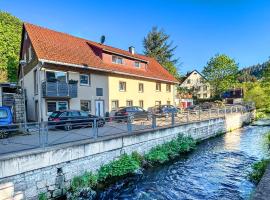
<point>262,191</point>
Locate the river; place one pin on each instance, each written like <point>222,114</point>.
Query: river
<point>217,169</point>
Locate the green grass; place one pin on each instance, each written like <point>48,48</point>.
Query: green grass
<point>268,138</point>
<point>262,113</point>
<point>258,170</point>
<point>42,196</point>
<point>88,179</point>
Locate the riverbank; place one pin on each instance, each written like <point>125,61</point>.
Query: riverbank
<point>262,191</point>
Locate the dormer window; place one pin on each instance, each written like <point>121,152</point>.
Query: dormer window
<point>117,60</point>
<point>137,64</point>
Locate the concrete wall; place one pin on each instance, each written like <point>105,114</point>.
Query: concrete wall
<point>25,175</point>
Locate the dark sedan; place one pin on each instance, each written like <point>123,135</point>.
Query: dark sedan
<point>134,113</point>
<point>73,118</point>
<point>163,110</point>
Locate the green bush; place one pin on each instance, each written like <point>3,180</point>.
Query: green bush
<point>124,165</point>
<point>42,196</point>
<point>258,170</point>
<point>163,153</point>
<point>268,138</point>
<point>88,179</point>
<point>262,113</point>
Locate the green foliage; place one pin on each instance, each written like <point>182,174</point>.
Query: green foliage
<point>156,45</point>
<point>42,196</point>
<point>258,169</point>
<point>10,40</point>
<point>138,157</point>
<point>163,153</point>
<point>268,138</point>
<point>88,179</point>
<point>221,72</point>
<point>124,165</point>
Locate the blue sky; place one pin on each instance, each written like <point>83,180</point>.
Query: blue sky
<point>200,28</point>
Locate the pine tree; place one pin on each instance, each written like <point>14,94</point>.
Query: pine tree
<point>156,45</point>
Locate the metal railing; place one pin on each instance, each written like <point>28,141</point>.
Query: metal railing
<point>20,137</point>
<point>59,89</point>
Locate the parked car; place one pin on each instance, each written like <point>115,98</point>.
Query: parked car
<point>134,112</point>
<point>73,118</point>
<point>164,110</point>
<point>5,121</point>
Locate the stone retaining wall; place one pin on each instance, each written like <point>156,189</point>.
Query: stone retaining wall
<point>25,175</point>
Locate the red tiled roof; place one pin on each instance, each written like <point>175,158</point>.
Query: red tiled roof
<point>61,47</point>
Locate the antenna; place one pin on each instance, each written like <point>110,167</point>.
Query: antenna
<point>102,39</point>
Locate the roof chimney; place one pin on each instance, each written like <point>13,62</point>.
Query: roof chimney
<point>131,50</point>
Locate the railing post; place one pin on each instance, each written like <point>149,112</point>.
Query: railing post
<point>173,120</point>
<point>154,121</point>
<point>210,113</point>
<point>129,125</point>
<point>199,114</point>
<point>95,127</point>
<point>188,116</point>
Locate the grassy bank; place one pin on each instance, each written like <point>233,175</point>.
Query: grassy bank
<point>127,165</point>
<point>262,113</point>
<point>258,170</point>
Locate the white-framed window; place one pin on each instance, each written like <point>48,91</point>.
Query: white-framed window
<point>129,103</point>
<point>84,79</point>
<point>56,106</point>
<point>205,88</point>
<point>199,95</point>
<point>168,87</point>
<point>188,81</point>
<point>99,92</point>
<point>115,104</point>
<point>205,95</point>
<point>137,64</point>
<point>158,103</point>
<point>141,103</point>
<point>86,105</point>
<point>168,102</point>
<point>122,86</point>
<point>158,87</point>
<point>29,53</point>
<point>53,76</point>
<point>141,87</point>
<point>117,60</point>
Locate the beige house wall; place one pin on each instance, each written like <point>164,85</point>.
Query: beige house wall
<point>149,96</point>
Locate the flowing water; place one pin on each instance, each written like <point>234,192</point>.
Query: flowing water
<point>217,169</point>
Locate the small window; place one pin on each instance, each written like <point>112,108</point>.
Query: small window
<point>122,86</point>
<point>168,87</point>
<point>188,81</point>
<point>141,103</point>
<point>51,106</point>
<point>205,95</point>
<point>199,88</point>
<point>137,64</point>
<point>62,105</point>
<point>84,79</point>
<point>52,76</point>
<point>29,53</point>
<point>129,103</point>
<point>168,102</point>
<point>158,87</point>
<point>198,95</point>
<point>204,88</point>
<point>141,89</point>
<point>117,60</point>
<point>115,104</point>
<point>158,103</point>
<point>99,92</point>
<point>86,105</point>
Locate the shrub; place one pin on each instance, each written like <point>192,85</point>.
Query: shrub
<point>268,138</point>
<point>42,196</point>
<point>88,179</point>
<point>126,164</point>
<point>258,170</point>
<point>262,113</point>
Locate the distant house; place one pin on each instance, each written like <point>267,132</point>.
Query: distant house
<point>66,72</point>
<point>197,84</point>
<point>233,96</point>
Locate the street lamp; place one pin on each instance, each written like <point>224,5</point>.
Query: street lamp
<point>22,65</point>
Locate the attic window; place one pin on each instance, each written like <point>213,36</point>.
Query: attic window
<point>25,36</point>
<point>117,60</point>
<point>137,64</point>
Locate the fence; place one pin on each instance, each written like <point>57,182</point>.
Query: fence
<point>25,136</point>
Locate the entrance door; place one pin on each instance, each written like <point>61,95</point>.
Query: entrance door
<point>100,108</point>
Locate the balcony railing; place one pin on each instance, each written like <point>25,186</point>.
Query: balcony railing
<point>59,89</point>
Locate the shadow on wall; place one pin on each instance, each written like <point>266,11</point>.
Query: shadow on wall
<point>7,192</point>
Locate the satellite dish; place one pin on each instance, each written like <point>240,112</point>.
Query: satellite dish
<point>102,39</point>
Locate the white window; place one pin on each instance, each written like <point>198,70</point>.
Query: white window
<point>137,64</point>
<point>86,105</point>
<point>56,106</point>
<point>117,60</point>
<point>115,104</point>
<point>204,88</point>
<point>168,102</point>
<point>84,79</point>
<point>129,103</point>
<point>141,88</point>
<point>188,81</point>
<point>141,103</point>
<point>205,95</point>
<point>53,76</point>
<point>122,86</point>
<point>29,53</point>
<point>158,103</point>
<point>158,87</point>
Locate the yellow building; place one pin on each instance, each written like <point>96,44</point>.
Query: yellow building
<point>65,72</point>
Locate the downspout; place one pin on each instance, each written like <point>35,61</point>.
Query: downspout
<point>40,118</point>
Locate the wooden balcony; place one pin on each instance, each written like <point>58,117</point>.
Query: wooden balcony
<point>59,89</point>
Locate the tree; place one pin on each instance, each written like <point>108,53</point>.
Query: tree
<point>221,72</point>
<point>10,40</point>
<point>156,45</point>
<point>266,77</point>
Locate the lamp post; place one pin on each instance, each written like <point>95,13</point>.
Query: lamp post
<point>22,65</point>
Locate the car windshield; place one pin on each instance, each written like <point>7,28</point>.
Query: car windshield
<point>3,114</point>
<point>55,114</point>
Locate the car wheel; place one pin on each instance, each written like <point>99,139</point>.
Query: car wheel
<point>68,127</point>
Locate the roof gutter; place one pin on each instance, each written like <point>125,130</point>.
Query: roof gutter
<point>102,70</point>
